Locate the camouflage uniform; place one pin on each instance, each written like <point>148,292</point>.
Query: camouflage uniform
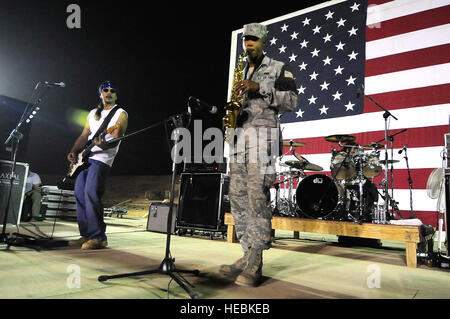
<point>251,181</point>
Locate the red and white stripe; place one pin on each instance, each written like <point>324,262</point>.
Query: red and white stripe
<point>407,72</point>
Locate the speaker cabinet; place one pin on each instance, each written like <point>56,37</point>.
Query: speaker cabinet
<point>18,190</point>
<point>158,215</point>
<point>203,201</point>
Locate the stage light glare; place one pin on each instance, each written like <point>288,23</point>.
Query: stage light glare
<point>77,116</point>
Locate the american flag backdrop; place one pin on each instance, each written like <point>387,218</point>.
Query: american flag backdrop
<point>399,52</point>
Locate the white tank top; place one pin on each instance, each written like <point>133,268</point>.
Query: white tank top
<point>104,156</point>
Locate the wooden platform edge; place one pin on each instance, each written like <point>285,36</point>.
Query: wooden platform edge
<point>407,234</point>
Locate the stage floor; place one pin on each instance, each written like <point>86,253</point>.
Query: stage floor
<point>312,267</point>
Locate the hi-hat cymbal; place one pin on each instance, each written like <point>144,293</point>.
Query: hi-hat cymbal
<point>340,138</point>
<point>374,145</point>
<point>293,143</point>
<point>303,165</point>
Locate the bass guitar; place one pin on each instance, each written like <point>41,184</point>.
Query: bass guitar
<point>83,155</point>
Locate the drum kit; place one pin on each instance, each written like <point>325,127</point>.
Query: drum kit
<point>349,194</point>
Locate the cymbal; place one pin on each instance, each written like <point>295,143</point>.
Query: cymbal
<point>293,143</point>
<point>389,161</point>
<point>340,138</point>
<point>374,145</point>
<point>303,165</point>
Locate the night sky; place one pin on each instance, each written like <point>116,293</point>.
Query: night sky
<point>159,54</point>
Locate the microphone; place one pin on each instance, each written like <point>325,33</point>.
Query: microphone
<point>59,84</point>
<point>199,105</point>
<point>360,91</point>
<point>403,149</point>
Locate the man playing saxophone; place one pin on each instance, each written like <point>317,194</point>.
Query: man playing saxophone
<point>267,88</point>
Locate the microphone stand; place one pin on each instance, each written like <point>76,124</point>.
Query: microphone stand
<point>386,115</point>
<point>14,138</point>
<point>410,184</point>
<point>167,266</point>
<point>391,199</point>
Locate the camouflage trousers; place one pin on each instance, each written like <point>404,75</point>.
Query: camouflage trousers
<point>249,194</point>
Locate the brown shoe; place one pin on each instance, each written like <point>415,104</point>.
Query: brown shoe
<point>78,242</point>
<point>236,268</point>
<point>252,273</point>
<point>94,244</point>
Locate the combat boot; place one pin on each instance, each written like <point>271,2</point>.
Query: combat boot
<point>252,273</point>
<point>236,268</point>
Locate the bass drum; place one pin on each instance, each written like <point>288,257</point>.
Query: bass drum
<point>318,196</point>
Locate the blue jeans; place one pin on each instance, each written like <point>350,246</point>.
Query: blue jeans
<point>89,189</point>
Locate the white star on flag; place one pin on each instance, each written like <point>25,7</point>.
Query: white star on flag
<point>306,21</point>
<point>317,29</point>
<point>303,66</point>
<point>340,46</point>
<point>350,80</point>
<point>355,7</point>
<point>341,23</point>
<point>337,96</point>
<point>324,85</point>
<point>315,52</point>
<point>349,106</point>
<point>312,100</point>
<point>292,57</point>
<point>338,70</point>
<point>329,15</point>
<point>313,75</point>
<point>327,38</point>
<point>327,61</point>
<point>323,109</point>
<point>352,56</point>
<point>352,31</point>
<point>273,41</point>
<point>299,113</point>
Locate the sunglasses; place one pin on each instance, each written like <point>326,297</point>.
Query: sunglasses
<point>106,90</point>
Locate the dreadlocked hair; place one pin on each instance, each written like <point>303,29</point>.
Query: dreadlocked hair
<point>98,111</point>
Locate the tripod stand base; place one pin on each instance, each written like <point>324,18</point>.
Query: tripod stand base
<point>166,267</point>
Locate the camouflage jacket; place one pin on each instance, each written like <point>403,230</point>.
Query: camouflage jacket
<point>277,93</point>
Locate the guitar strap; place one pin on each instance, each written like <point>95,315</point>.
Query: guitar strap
<point>105,123</point>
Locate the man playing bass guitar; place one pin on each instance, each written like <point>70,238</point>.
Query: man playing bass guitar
<point>90,182</point>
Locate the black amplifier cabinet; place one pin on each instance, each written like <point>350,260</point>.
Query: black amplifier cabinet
<point>17,191</point>
<point>205,167</point>
<point>203,201</point>
<point>158,216</point>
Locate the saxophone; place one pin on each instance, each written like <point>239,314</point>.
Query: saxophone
<point>232,108</point>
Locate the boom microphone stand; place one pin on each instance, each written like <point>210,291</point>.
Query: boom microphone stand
<point>386,115</point>
<point>167,266</point>
<point>14,138</point>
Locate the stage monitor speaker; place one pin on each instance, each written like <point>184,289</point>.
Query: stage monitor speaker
<point>18,190</point>
<point>203,201</point>
<point>157,217</point>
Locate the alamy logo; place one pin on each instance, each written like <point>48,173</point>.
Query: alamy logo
<point>374,279</point>
<point>74,19</point>
<point>74,279</point>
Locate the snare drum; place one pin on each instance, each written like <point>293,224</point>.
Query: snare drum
<point>342,166</point>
